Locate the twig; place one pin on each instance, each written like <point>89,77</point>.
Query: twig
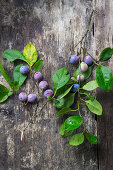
<point>74,110</point>
<point>82,100</point>
<point>79,109</point>
<point>85,32</point>
<point>79,85</point>
<point>34,115</point>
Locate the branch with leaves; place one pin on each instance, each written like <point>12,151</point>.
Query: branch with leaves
<point>65,97</point>
<point>30,57</point>
<point>64,87</point>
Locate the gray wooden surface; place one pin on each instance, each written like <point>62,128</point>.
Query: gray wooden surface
<point>54,27</point>
<point>104,38</point>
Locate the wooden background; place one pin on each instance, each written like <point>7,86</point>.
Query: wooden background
<point>54,27</point>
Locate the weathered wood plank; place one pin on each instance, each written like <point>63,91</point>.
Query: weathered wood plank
<point>103,38</point>
<point>54,27</point>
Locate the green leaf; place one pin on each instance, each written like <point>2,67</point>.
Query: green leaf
<point>73,122</point>
<point>63,131</point>
<point>86,94</point>
<point>10,93</point>
<point>82,84</point>
<point>4,73</point>
<point>30,54</point>
<point>94,106</point>
<point>38,65</point>
<point>60,78</point>
<point>59,103</point>
<point>76,139</point>
<point>82,93</point>
<point>12,55</point>
<point>68,132</point>
<point>63,111</point>
<point>6,97</point>
<point>91,85</point>
<point>86,74</point>
<point>67,101</point>
<point>76,73</point>
<point>66,92</point>
<point>14,85</point>
<point>106,54</point>
<point>92,139</point>
<point>64,88</point>
<point>104,77</point>
<point>18,76</point>
<point>73,78</point>
<point>3,91</point>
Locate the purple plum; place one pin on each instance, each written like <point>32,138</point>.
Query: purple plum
<point>31,98</point>
<point>47,92</point>
<point>43,85</point>
<point>38,76</point>
<point>74,59</point>
<point>22,97</point>
<point>24,69</point>
<point>88,60</point>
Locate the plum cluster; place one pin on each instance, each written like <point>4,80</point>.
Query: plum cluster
<point>43,84</point>
<point>87,61</point>
<point>31,98</point>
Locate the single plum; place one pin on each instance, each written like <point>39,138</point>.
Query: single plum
<point>80,77</point>
<point>74,59</point>
<point>22,97</point>
<point>88,60</point>
<point>43,85</point>
<point>24,69</point>
<point>47,92</point>
<point>38,76</point>
<point>31,98</point>
<point>83,67</point>
<point>75,87</point>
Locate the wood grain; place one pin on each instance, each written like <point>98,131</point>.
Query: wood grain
<point>54,27</point>
<point>104,38</point>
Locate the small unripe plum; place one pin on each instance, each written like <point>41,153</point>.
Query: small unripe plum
<point>75,87</point>
<point>31,98</point>
<point>24,69</point>
<point>74,59</point>
<point>83,67</point>
<point>47,92</point>
<point>22,97</point>
<point>80,77</point>
<point>88,60</point>
<point>38,76</point>
<point>43,85</point>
